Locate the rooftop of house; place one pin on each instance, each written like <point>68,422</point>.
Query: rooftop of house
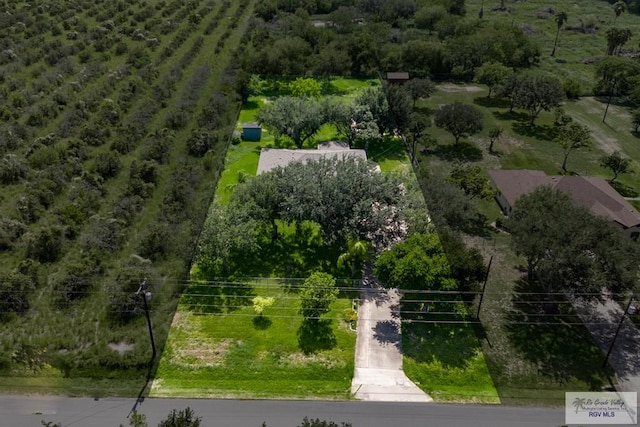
<point>397,75</point>
<point>271,158</point>
<point>592,192</point>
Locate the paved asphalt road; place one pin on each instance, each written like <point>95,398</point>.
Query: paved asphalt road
<point>22,411</point>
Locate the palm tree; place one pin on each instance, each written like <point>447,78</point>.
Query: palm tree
<point>561,18</point>
<point>618,8</point>
<point>357,251</point>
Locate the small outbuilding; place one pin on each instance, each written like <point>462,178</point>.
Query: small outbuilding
<point>251,132</point>
<point>397,77</point>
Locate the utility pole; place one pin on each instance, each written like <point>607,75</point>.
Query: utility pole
<point>484,286</point>
<point>146,296</point>
<point>628,310</point>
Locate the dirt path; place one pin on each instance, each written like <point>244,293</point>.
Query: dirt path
<point>450,87</point>
<point>593,115</point>
<point>378,372</point>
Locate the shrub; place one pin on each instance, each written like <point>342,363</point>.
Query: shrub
<point>77,279</point>
<point>176,119</point>
<point>15,291</point>
<point>107,164</point>
<point>44,156</point>
<point>87,193</point>
<point>127,208</point>
<point>184,418</point>
<point>12,169</point>
<point>199,143</point>
<point>10,231</point>
<point>95,136</point>
<point>45,244</point>
<point>156,241</point>
<point>29,208</point>
<point>103,234</point>
<point>71,217</point>
<point>157,148</point>
<point>571,89</point>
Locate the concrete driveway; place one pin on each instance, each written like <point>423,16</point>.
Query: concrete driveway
<point>378,366</point>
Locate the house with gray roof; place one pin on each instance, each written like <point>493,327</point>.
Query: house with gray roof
<point>592,192</point>
<point>271,158</point>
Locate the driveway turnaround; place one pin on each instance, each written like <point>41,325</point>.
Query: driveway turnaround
<point>378,372</point>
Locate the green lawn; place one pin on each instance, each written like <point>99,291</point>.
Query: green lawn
<point>243,158</point>
<point>530,363</point>
<point>220,348</point>
<point>522,146</point>
<point>217,348</point>
<point>447,362</point>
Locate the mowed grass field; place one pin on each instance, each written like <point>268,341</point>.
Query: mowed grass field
<point>225,350</point>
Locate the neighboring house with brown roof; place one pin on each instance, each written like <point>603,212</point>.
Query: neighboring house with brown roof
<point>271,158</point>
<point>592,192</point>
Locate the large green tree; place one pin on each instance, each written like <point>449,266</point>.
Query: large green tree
<point>617,164</point>
<point>420,89</point>
<point>346,197</point>
<point>572,136</point>
<point>616,39</point>
<point>355,123</point>
<point>569,249</point>
<point>316,295</point>
<point>615,76</point>
<point>375,100</point>
<point>492,74</point>
<point>417,263</point>
<point>472,180</point>
<point>298,118</point>
<point>538,93</point>
<point>261,198</point>
<point>228,231</point>
<point>459,119</point>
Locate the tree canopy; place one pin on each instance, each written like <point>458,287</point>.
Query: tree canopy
<point>299,118</point>
<point>572,136</point>
<point>617,164</point>
<point>472,180</point>
<point>569,249</point>
<point>353,121</point>
<point>492,74</point>
<point>616,76</point>
<point>459,119</point>
<point>345,197</point>
<point>538,93</point>
<point>316,295</point>
<point>417,263</point>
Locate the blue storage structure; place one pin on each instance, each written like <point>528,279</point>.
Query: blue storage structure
<point>251,132</point>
